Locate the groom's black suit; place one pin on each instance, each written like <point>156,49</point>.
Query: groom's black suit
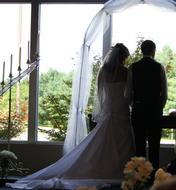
<point>147,107</point>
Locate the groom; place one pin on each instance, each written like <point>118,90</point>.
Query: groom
<point>147,92</point>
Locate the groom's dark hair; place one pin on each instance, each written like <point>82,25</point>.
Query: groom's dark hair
<point>148,47</point>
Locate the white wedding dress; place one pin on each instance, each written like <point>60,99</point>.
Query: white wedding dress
<point>100,158</point>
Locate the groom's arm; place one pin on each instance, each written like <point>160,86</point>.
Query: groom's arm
<point>129,86</point>
<point>164,91</point>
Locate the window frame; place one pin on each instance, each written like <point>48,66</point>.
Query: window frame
<point>34,76</point>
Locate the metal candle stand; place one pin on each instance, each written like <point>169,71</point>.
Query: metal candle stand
<point>10,106</point>
<point>15,167</point>
<point>13,81</point>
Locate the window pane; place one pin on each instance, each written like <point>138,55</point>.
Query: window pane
<point>14,33</point>
<point>146,22</point>
<point>19,112</point>
<point>62,31</point>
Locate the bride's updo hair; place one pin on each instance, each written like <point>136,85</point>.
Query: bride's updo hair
<point>115,57</point>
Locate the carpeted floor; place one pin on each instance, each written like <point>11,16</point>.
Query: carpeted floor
<point>117,187</point>
<point>4,188</point>
<point>12,179</point>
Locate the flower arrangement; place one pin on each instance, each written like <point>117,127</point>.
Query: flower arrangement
<point>5,154</point>
<point>6,160</point>
<point>136,173</point>
<point>163,178</point>
<point>9,164</point>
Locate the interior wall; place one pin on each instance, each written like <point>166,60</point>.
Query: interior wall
<point>38,156</point>
<point>35,156</point>
<point>166,155</point>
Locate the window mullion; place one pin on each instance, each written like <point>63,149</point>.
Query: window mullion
<point>34,76</point>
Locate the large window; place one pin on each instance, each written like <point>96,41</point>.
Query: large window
<point>146,22</point>
<point>62,31</point>
<point>14,37</point>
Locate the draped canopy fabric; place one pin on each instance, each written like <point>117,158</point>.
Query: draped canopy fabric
<point>77,128</point>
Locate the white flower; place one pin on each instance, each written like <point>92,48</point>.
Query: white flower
<point>5,154</point>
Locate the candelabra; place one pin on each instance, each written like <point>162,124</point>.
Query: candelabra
<point>13,80</point>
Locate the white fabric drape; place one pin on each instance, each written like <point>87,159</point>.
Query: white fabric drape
<point>77,129</point>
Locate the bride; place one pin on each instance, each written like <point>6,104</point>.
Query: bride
<point>100,158</point>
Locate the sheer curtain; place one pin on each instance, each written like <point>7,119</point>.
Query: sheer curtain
<point>77,129</point>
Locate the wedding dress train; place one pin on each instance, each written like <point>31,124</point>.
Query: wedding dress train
<point>100,158</point>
